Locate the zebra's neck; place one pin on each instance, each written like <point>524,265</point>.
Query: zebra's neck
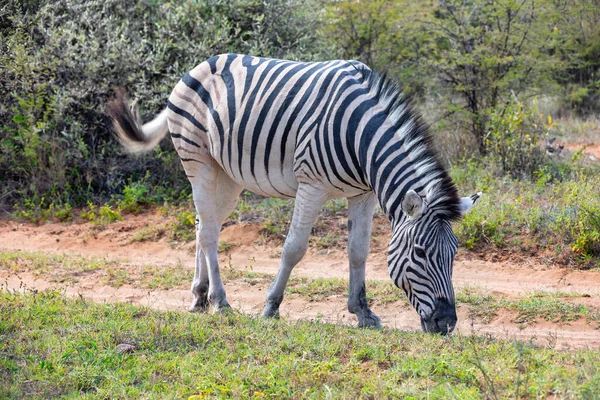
<point>394,147</point>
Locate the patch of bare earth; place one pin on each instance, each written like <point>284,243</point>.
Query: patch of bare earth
<point>590,149</point>
<point>249,251</point>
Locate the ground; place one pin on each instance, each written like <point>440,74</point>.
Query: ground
<point>512,298</point>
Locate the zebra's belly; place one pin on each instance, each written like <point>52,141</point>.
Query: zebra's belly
<point>278,181</point>
<point>273,186</point>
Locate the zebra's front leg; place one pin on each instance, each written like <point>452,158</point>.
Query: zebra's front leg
<point>309,201</point>
<point>360,221</point>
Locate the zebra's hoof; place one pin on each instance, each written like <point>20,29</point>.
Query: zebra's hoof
<point>271,311</point>
<point>369,320</point>
<point>199,305</point>
<point>221,307</point>
<point>197,309</point>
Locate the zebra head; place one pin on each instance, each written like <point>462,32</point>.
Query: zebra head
<point>420,260</point>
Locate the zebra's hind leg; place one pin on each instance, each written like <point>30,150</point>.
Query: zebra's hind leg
<point>309,201</point>
<point>215,196</point>
<point>360,221</point>
<point>227,193</point>
<point>200,282</point>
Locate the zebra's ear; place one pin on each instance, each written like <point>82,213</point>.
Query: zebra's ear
<point>413,205</point>
<point>466,203</point>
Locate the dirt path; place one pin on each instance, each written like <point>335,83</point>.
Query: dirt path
<point>114,242</point>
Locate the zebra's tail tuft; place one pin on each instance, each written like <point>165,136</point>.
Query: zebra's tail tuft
<point>128,128</point>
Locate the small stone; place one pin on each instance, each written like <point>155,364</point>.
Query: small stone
<point>125,348</point>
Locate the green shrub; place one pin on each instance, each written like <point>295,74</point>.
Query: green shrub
<point>514,139</point>
<point>61,61</point>
<point>35,211</point>
<point>101,216</point>
<point>562,216</point>
<point>183,229</point>
<point>579,220</point>
<point>135,196</point>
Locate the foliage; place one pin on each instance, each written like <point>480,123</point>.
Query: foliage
<point>482,53</point>
<point>134,198</point>
<point>580,221</point>
<point>579,49</point>
<point>101,215</point>
<point>384,35</point>
<point>183,228</point>
<point>488,50</point>
<point>513,139</point>
<point>33,210</point>
<point>62,59</point>
<point>559,213</point>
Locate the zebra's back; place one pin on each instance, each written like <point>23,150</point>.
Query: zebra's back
<point>269,124</point>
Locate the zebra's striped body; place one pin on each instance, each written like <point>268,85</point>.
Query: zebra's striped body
<point>313,131</point>
<point>270,123</point>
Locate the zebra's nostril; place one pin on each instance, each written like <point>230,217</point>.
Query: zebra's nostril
<point>439,323</point>
<point>442,321</point>
<point>445,325</point>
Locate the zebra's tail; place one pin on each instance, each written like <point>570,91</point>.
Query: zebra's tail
<point>128,128</point>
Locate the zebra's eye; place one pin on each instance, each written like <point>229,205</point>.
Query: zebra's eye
<point>420,252</point>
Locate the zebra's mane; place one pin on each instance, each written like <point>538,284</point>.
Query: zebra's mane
<point>440,191</point>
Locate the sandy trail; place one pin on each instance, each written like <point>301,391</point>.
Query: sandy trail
<point>114,242</point>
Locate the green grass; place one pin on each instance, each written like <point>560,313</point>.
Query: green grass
<point>69,349</point>
<point>58,267</point>
<point>481,306</point>
<point>149,233</point>
<point>549,306</point>
<point>116,273</point>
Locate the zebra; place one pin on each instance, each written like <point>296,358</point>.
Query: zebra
<point>314,131</point>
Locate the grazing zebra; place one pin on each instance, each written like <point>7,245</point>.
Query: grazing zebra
<point>313,131</point>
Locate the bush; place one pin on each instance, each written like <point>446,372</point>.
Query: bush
<point>579,221</point>
<point>514,139</point>
<point>101,216</point>
<point>135,196</point>
<point>559,219</point>
<point>62,60</point>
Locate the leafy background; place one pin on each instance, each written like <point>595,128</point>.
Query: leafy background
<point>494,78</point>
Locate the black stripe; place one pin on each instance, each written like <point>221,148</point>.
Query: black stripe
<point>337,133</point>
<point>368,134</point>
<point>250,70</point>
<point>322,91</point>
<point>231,108</point>
<point>213,63</point>
<point>180,136</point>
<point>335,92</point>
<point>246,115</point>
<point>190,160</point>
<point>186,115</point>
<point>289,98</point>
<point>204,95</point>
<point>301,104</point>
<point>264,110</point>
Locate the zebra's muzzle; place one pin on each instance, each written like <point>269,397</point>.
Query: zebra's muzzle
<point>442,320</point>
